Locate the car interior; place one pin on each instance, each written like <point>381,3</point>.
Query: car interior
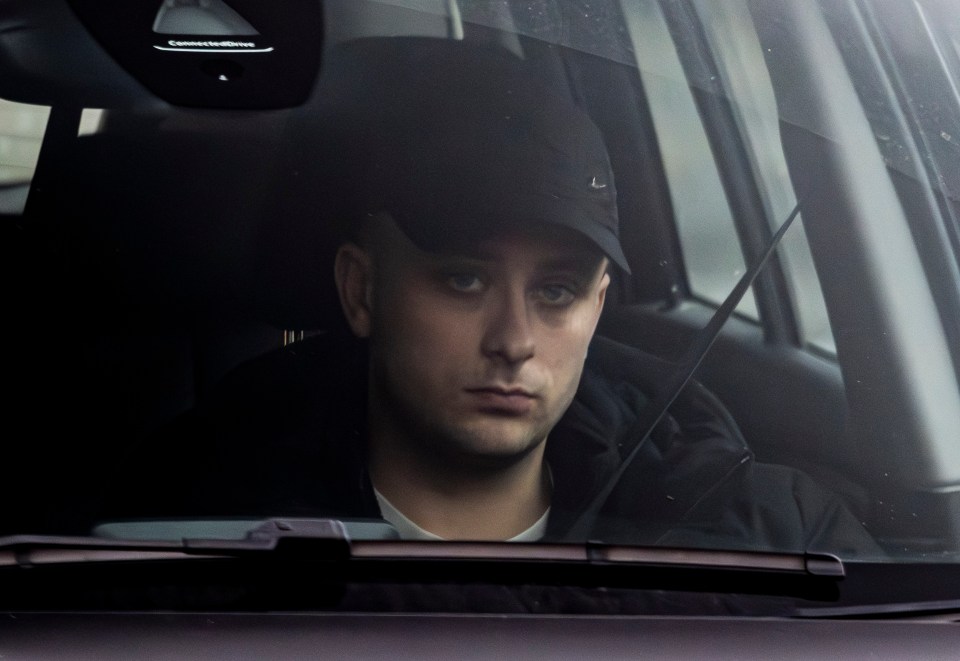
<point>179,223</point>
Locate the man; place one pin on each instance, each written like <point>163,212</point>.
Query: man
<point>474,356</point>
<point>477,403</point>
<point>478,327</point>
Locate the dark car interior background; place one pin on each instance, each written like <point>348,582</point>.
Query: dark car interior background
<point>166,240</point>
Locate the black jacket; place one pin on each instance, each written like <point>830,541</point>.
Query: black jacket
<point>284,436</point>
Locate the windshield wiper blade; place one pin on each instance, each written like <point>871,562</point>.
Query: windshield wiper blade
<point>813,564</point>
<point>331,539</point>
<point>321,549</point>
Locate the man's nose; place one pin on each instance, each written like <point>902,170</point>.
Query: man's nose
<point>508,336</point>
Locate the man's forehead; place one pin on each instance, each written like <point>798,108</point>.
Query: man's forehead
<point>543,246</point>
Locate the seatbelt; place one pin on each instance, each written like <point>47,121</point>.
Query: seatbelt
<point>653,413</point>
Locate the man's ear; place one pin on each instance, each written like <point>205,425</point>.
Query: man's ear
<point>353,272</point>
<point>601,297</point>
<point>602,293</point>
<point>604,284</point>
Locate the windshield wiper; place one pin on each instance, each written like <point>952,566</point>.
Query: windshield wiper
<point>309,557</point>
<point>331,539</point>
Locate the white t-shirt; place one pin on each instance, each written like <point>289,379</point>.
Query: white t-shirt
<point>410,530</point>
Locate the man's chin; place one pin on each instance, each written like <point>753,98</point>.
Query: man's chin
<point>492,450</point>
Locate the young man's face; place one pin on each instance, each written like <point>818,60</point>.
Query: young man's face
<point>475,354</point>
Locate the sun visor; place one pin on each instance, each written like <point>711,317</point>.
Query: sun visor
<point>47,57</point>
<point>242,54</point>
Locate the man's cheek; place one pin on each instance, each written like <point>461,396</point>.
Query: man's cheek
<point>426,359</point>
<point>567,370</point>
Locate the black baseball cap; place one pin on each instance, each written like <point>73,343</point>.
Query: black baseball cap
<point>459,141</point>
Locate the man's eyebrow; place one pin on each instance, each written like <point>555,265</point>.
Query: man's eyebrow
<point>585,262</point>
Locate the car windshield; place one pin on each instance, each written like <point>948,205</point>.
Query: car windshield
<point>486,270</point>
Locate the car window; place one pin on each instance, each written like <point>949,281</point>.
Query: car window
<point>22,128</point>
<point>351,291</point>
<point>739,56</point>
<point>708,237</point>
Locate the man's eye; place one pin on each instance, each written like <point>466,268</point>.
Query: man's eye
<point>557,294</point>
<point>465,282</point>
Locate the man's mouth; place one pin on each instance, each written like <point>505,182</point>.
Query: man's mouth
<point>503,400</point>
